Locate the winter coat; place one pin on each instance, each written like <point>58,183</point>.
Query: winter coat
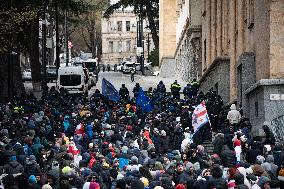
<point>228,157</point>
<point>31,168</point>
<point>234,115</point>
<point>123,160</point>
<point>13,167</point>
<point>217,183</point>
<point>251,155</point>
<point>163,144</point>
<point>36,147</point>
<point>218,143</point>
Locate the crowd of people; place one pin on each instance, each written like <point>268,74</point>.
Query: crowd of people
<point>65,141</point>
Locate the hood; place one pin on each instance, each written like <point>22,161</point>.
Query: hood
<point>233,107</point>
<point>14,164</point>
<point>37,140</point>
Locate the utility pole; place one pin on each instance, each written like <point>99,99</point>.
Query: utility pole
<point>148,47</point>
<point>141,39</point>
<point>66,34</point>
<point>138,39</point>
<point>44,84</point>
<point>57,49</point>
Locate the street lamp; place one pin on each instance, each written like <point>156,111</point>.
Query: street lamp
<point>44,83</point>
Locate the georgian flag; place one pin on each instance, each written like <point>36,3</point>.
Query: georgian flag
<point>79,129</point>
<point>199,117</point>
<point>73,149</point>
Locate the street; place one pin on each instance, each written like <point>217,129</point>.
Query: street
<point>118,78</point>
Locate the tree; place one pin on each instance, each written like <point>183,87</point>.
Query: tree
<point>150,10</point>
<point>89,28</point>
<point>19,32</point>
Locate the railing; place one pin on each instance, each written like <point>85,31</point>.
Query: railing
<point>277,127</point>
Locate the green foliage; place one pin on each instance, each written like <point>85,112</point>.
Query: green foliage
<point>16,17</point>
<point>154,57</point>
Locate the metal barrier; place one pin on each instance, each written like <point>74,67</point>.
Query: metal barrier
<point>277,127</point>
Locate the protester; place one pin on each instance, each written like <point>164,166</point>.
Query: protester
<point>65,141</point>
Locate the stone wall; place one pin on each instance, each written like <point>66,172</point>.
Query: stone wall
<point>217,78</point>
<point>266,104</point>
<point>188,55</point>
<point>245,79</point>
<point>167,67</point>
<point>167,29</point>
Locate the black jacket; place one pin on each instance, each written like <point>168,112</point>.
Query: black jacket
<point>13,167</point>
<point>228,157</point>
<point>217,183</point>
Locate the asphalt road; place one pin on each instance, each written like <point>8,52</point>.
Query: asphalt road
<point>118,78</point>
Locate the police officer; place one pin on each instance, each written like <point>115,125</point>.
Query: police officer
<point>175,88</point>
<point>132,75</point>
<point>161,88</point>
<point>187,91</point>
<point>123,92</point>
<point>136,90</point>
<point>195,87</point>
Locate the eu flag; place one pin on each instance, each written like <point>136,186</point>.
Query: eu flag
<point>143,101</point>
<point>109,91</point>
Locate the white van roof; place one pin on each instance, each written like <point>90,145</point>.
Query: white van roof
<point>90,60</point>
<point>71,69</point>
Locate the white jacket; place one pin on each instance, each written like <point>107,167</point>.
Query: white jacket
<point>234,115</point>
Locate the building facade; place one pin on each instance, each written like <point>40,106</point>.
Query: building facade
<point>119,37</point>
<point>188,40</point>
<point>243,57</point>
<point>167,36</point>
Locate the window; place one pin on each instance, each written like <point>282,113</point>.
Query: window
<point>110,46</point>
<point>205,52</point>
<point>128,46</point>
<point>109,26</point>
<point>119,25</point>
<point>216,88</point>
<point>127,25</point>
<point>250,14</point>
<point>204,8</point>
<point>256,108</point>
<point>119,46</point>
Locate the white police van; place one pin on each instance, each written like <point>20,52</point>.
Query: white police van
<point>75,79</point>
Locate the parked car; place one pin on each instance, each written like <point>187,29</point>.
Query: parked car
<point>120,66</point>
<point>156,73</point>
<point>27,75</point>
<point>51,73</point>
<point>128,66</point>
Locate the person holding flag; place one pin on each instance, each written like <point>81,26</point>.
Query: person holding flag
<point>201,124</point>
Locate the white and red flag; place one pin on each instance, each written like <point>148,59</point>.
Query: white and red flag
<point>199,117</point>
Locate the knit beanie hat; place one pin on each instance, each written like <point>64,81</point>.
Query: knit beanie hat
<point>120,184</point>
<point>32,179</point>
<point>257,170</point>
<point>180,186</point>
<point>66,170</point>
<point>137,184</point>
<point>262,180</point>
<point>13,158</point>
<point>46,186</point>
<point>124,149</point>
<point>260,159</point>
<point>158,166</point>
<point>134,159</point>
<point>91,185</point>
<point>158,187</point>
<point>145,181</point>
